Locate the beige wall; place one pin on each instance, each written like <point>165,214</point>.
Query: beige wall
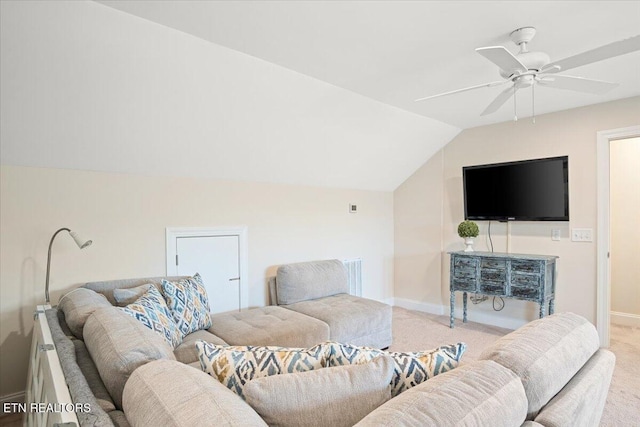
<point>417,202</point>
<point>625,234</point>
<point>126,216</point>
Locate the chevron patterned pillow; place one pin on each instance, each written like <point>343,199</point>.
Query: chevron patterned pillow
<point>235,366</point>
<point>410,368</point>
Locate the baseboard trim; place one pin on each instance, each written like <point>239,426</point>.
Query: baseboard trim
<point>487,318</point>
<point>12,398</point>
<point>425,307</point>
<point>626,319</point>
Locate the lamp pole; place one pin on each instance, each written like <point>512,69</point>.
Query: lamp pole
<point>81,244</point>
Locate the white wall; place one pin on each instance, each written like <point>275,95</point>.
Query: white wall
<point>422,267</point>
<point>625,233</point>
<point>126,216</point>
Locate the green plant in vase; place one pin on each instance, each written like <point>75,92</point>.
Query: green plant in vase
<point>468,230</point>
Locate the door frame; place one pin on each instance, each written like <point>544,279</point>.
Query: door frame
<point>603,267</point>
<point>173,233</point>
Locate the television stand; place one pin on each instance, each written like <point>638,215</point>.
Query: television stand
<point>519,276</point>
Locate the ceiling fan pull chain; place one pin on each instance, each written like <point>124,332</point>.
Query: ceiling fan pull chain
<point>515,110</point>
<point>533,102</point>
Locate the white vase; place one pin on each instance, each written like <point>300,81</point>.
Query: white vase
<point>468,241</point>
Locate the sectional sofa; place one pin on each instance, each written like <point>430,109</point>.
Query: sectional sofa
<point>551,372</point>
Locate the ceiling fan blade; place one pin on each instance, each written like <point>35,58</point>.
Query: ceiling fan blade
<point>579,84</point>
<point>607,51</point>
<point>502,58</point>
<point>499,101</point>
<point>492,84</point>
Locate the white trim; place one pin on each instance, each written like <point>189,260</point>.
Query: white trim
<point>172,233</point>
<point>425,307</point>
<point>626,319</point>
<point>12,398</point>
<point>603,288</point>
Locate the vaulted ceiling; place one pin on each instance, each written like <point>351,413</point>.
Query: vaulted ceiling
<point>397,51</point>
<point>314,93</point>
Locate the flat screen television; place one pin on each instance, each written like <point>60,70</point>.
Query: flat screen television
<point>527,190</point>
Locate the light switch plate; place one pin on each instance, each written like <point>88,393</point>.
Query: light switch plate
<point>582,235</point>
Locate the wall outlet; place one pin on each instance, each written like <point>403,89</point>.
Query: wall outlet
<point>555,234</point>
<point>582,235</point>
<point>353,208</point>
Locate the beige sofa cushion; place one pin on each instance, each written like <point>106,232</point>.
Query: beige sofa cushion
<point>119,344</point>
<point>187,353</point>
<point>476,395</point>
<point>336,397</point>
<point>545,354</point>
<point>272,325</point>
<point>168,393</point>
<point>582,400</point>
<point>77,305</point>
<point>351,319</point>
<point>310,280</point>
<point>126,296</point>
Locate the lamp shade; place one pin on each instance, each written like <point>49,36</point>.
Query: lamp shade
<point>82,243</point>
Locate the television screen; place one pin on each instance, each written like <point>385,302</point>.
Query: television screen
<point>528,190</point>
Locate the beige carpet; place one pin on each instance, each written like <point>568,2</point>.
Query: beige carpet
<point>413,330</point>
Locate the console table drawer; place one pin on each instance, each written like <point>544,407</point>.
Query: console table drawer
<point>465,272</point>
<point>525,293</point>
<point>525,266</point>
<point>493,288</point>
<point>464,285</point>
<point>493,263</point>
<point>526,280</point>
<point>466,263</point>
<point>493,275</point>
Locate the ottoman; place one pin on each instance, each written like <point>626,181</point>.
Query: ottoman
<point>271,325</point>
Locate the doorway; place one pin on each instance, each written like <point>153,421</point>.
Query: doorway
<point>606,229</point>
<point>219,256</point>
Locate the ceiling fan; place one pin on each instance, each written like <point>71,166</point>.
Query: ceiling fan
<point>528,69</point>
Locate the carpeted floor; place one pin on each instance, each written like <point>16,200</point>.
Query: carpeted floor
<point>413,330</point>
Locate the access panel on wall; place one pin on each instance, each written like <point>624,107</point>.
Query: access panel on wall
<point>217,257</point>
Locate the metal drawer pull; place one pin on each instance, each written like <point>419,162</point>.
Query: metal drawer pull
<point>235,278</point>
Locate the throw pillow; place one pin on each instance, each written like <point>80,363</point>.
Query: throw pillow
<point>337,397</point>
<point>152,311</point>
<point>410,368</point>
<point>126,296</point>
<point>188,302</point>
<point>78,305</point>
<point>234,366</point>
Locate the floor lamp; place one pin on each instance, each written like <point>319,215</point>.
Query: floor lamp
<point>79,241</point>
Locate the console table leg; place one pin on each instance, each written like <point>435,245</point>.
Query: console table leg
<point>464,307</point>
<point>552,305</point>
<point>542,309</point>
<point>452,300</point>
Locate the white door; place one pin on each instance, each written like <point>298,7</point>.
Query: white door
<point>217,259</point>
<point>220,255</point>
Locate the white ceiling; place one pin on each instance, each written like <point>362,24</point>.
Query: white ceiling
<point>396,51</point>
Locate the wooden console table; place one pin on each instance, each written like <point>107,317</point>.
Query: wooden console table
<point>524,277</point>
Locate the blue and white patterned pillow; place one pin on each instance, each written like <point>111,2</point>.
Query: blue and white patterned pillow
<point>235,366</point>
<point>187,300</point>
<point>151,309</point>
<point>410,368</point>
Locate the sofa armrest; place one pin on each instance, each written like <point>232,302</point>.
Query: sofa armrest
<point>170,393</point>
<point>582,400</point>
